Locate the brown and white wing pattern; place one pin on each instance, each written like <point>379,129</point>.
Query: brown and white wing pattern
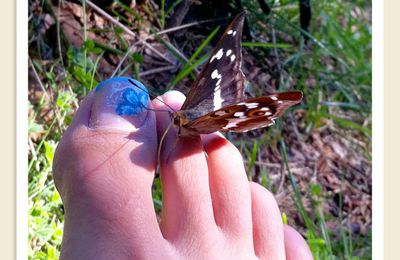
<point>246,115</point>
<point>221,82</point>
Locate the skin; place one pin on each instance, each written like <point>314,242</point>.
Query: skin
<point>104,168</point>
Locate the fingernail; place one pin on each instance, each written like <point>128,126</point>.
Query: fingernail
<point>119,104</point>
<point>175,94</point>
<point>173,98</point>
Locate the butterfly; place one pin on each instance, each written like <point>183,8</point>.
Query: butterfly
<point>216,101</point>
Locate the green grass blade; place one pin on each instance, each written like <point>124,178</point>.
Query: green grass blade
<point>162,22</point>
<point>191,64</point>
<point>203,45</point>
<point>186,71</point>
<point>297,195</point>
<point>349,124</point>
<point>266,45</point>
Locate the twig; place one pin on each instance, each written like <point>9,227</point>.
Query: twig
<point>272,165</point>
<point>38,79</point>
<point>156,70</point>
<point>59,35</point>
<point>130,50</point>
<point>177,28</point>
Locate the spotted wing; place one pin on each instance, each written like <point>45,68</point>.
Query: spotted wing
<point>246,115</point>
<point>221,82</point>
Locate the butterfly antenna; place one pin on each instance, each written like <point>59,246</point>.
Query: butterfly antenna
<point>160,146</point>
<point>155,97</point>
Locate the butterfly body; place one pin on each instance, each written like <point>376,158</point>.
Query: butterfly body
<point>216,101</point>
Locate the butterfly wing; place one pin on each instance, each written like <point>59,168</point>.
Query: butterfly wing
<point>221,82</point>
<point>246,115</point>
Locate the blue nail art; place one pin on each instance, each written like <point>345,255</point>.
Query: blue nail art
<point>132,102</point>
<point>128,100</point>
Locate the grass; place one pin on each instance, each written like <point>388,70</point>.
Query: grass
<point>333,69</point>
